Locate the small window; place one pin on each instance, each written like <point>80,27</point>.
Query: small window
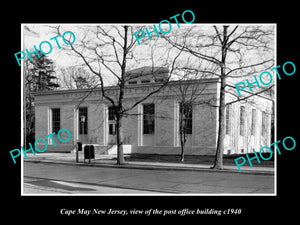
<point>159,80</point>
<point>55,120</point>
<point>264,124</point>
<point>148,119</point>
<point>112,129</point>
<point>132,82</point>
<point>145,81</point>
<point>228,111</point>
<point>111,113</point>
<point>186,113</point>
<point>253,120</point>
<point>242,120</point>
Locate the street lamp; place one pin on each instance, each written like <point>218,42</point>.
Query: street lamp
<point>82,120</point>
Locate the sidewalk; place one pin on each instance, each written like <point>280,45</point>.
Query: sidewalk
<point>110,161</point>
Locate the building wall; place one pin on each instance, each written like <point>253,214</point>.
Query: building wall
<point>164,123</point>
<point>166,140</point>
<point>43,127</point>
<point>249,142</point>
<point>205,126</point>
<point>96,123</point>
<point>130,127</point>
<point>41,121</point>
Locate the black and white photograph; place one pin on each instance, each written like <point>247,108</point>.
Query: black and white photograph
<point>127,112</point>
<point>149,109</point>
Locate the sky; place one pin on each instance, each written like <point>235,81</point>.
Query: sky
<point>34,34</point>
<point>39,33</point>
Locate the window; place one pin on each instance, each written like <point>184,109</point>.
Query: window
<point>83,126</point>
<point>111,121</point>
<point>159,80</point>
<point>111,113</point>
<point>227,128</point>
<point>186,113</point>
<point>112,129</point>
<point>145,81</point>
<point>132,82</point>
<point>253,121</point>
<point>242,120</point>
<point>263,124</point>
<point>148,119</point>
<point>55,120</point>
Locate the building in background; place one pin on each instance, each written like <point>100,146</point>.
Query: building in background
<point>152,126</point>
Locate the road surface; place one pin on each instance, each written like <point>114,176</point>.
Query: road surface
<point>43,178</point>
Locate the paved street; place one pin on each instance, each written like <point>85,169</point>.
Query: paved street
<point>49,186</point>
<point>59,178</point>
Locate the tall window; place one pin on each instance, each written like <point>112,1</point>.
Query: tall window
<point>242,120</point>
<point>253,120</point>
<point>83,126</point>
<point>111,113</point>
<point>264,124</point>
<point>111,120</point>
<point>55,120</point>
<point>148,119</point>
<point>186,113</point>
<point>227,128</point>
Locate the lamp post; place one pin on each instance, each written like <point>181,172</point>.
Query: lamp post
<point>82,120</point>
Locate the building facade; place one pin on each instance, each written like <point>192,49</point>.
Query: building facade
<point>153,125</point>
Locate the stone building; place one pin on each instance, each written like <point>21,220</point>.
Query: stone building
<point>153,125</point>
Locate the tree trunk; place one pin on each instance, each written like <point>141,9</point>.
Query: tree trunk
<point>120,155</point>
<point>218,164</point>
<point>182,133</point>
<point>182,144</point>
<point>119,114</point>
<point>221,122</point>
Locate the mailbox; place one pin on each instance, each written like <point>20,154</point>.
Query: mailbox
<point>89,153</point>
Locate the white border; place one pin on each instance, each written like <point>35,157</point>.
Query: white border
<point>22,111</point>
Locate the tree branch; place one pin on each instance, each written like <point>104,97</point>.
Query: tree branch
<point>248,66</point>
<point>157,90</point>
<point>252,94</point>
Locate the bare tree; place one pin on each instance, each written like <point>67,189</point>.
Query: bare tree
<point>237,51</point>
<point>106,51</point>
<point>74,77</point>
<point>188,90</point>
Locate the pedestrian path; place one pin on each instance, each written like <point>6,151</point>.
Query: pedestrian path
<point>110,160</point>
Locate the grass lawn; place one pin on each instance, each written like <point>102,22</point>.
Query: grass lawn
<point>199,159</point>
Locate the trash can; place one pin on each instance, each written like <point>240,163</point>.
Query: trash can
<point>92,152</point>
<point>89,153</point>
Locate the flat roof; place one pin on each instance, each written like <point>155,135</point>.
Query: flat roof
<point>172,82</point>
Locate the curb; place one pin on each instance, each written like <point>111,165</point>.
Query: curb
<point>150,167</point>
